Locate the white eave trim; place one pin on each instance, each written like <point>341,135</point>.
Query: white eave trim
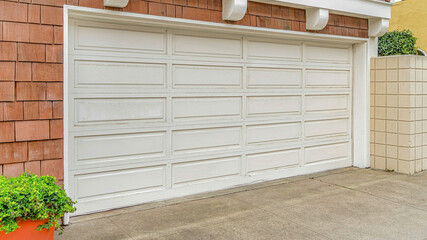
<point>357,8</point>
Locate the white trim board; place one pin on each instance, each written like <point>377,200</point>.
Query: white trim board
<point>357,8</point>
<point>65,108</point>
<point>360,70</point>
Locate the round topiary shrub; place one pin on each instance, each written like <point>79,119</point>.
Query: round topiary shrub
<point>32,197</point>
<point>397,43</point>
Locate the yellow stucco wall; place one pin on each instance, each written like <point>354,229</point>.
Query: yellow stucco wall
<point>412,15</point>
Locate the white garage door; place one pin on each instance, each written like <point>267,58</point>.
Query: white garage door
<point>161,113</point>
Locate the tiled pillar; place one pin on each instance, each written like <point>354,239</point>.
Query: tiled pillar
<point>399,113</point>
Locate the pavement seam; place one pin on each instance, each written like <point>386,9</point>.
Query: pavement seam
<point>189,226</point>
<point>281,217</point>
<point>303,226</point>
<point>296,181</point>
<point>122,230</point>
<point>370,194</point>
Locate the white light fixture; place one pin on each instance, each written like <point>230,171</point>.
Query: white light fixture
<point>116,3</point>
<point>317,18</point>
<point>234,10</point>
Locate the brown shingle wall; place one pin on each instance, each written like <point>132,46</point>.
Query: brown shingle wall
<point>31,67</point>
<point>31,87</point>
<point>258,15</point>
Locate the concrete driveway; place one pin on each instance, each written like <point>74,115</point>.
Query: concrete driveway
<point>348,203</point>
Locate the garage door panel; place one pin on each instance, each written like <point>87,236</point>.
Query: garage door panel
<point>206,108</point>
<point>156,113</point>
<point>328,78</point>
<point>273,77</point>
<point>206,140</point>
<point>273,105</point>
<point>207,46</point>
<point>110,183</point>
<point>272,160</point>
<point>119,148</point>
<point>205,170</point>
<point>274,50</point>
<point>328,152</point>
<point>273,133</point>
<point>333,54</point>
<point>119,39</point>
<point>327,104</point>
<point>327,128</point>
<point>194,76</point>
<point>96,74</point>
<point>119,110</point>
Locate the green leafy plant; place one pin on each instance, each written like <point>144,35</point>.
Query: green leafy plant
<point>397,43</point>
<point>32,197</point>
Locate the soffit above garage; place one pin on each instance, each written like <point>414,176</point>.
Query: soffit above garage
<point>378,12</point>
<point>356,8</point>
<point>317,13</point>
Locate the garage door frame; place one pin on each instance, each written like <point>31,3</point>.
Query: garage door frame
<point>361,47</point>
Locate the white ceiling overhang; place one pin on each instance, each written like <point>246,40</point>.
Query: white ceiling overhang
<point>356,8</point>
<point>317,11</point>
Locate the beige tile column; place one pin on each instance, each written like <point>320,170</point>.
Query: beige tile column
<point>399,113</point>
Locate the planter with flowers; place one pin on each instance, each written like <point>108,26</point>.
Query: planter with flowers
<point>31,207</point>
